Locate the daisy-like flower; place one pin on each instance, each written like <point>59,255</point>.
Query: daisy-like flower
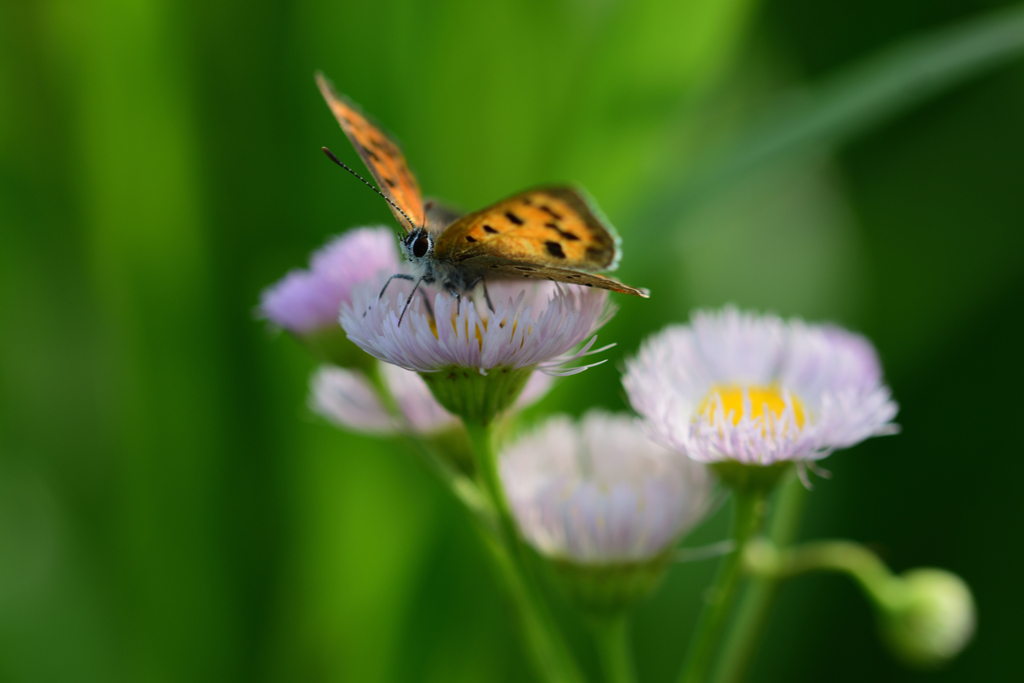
<point>603,501</point>
<point>600,492</point>
<point>756,390</point>
<point>306,302</point>
<point>348,399</point>
<point>475,360</point>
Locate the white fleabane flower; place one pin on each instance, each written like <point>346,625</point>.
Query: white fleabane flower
<point>475,360</point>
<point>305,301</point>
<point>599,492</point>
<point>757,390</point>
<point>534,324</point>
<point>348,399</point>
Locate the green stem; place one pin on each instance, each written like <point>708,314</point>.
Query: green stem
<point>755,605</point>
<point>612,637</point>
<point>544,640</point>
<point>841,556</point>
<point>460,486</point>
<point>748,512</point>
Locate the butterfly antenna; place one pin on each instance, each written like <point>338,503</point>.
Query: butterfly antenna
<point>330,155</point>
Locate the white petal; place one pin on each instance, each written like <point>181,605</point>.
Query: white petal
<point>599,491</point>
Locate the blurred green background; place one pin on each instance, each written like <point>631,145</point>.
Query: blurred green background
<point>169,509</point>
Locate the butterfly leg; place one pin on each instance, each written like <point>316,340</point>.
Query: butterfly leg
<point>458,300</point>
<point>400,276</point>
<point>487,297</point>
<point>426,302</point>
<point>408,301</point>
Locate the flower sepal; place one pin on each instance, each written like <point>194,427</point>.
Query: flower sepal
<point>476,397</point>
<point>750,478</point>
<point>608,590</point>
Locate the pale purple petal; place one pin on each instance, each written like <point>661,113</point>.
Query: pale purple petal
<point>833,374</point>
<point>532,324</point>
<point>599,492</point>
<point>308,300</point>
<point>826,358</point>
<point>420,410</point>
<point>348,399</point>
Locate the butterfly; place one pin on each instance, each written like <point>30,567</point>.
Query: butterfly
<point>547,233</point>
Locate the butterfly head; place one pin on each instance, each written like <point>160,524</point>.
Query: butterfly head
<point>417,245</point>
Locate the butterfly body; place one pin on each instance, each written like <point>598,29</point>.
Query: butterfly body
<point>418,249</point>
<point>550,233</point>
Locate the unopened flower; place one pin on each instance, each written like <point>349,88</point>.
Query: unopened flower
<point>600,492</point>
<point>757,390</point>
<point>349,399</point>
<point>476,360</point>
<point>306,302</point>
<point>603,502</point>
<point>928,618</point>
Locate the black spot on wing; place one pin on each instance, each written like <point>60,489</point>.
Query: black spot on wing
<point>551,212</point>
<point>564,233</point>
<point>390,182</point>
<point>526,268</point>
<point>489,229</point>
<point>470,238</point>
<point>555,249</point>
<point>514,218</point>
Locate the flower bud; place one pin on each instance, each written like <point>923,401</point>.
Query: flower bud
<point>930,618</point>
<point>603,504</point>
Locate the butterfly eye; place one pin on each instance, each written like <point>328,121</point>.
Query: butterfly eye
<point>421,246</point>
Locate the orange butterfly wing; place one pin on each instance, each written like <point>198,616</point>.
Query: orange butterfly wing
<point>551,226</point>
<point>492,265</point>
<point>549,233</point>
<point>380,154</point>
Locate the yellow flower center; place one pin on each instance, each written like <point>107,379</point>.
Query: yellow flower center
<point>727,403</point>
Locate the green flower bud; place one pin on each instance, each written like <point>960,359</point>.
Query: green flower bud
<point>929,618</point>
